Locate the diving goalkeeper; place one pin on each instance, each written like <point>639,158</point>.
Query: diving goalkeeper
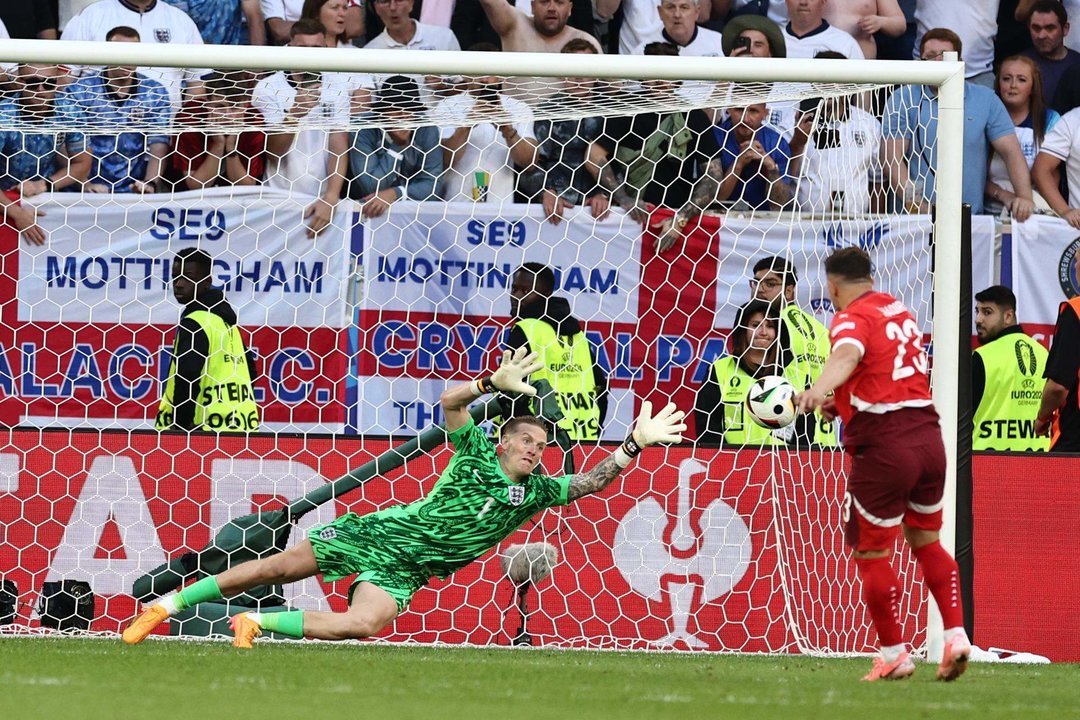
<point>481,497</point>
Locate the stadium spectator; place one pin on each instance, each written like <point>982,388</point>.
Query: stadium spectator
<point>471,23</point>
<point>226,22</point>
<point>1059,407</point>
<point>754,352</point>
<point>803,337</point>
<point>1061,145</point>
<point>209,387</point>
<point>30,19</point>
<point>544,324</point>
<point>280,16</point>
<point>1072,8</point>
<point>808,32</point>
<point>910,152</point>
<point>753,36</point>
<point>1048,25</point>
<point>876,379</point>
<point>563,177</point>
<point>485,134</point>
<point>755,163</point>
<point>1020,89</point>
<point>865,19</point>
<point>402,32</point>
<point>836,150</point>
<point>468,491</point>
<point>775,10</point>
<point>655,158</point>
<point>307,155</point>
<point>225,156</point>
<point>1004,369</point>
<point>332,15</point>
<point>678,19</point>
<point>546,31</point>
<point>756,36</point>
<point>394,160</point>
<point>103,103</point>
<point>36,159</point>
<point>155,22</point>
<point>974,23</point>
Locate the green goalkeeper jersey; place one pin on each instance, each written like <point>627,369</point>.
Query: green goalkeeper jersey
<point>472,507</point>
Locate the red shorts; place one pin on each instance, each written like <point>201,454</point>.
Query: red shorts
<point>893,485</point>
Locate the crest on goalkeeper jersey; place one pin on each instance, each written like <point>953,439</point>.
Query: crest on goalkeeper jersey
<point>516,493</point>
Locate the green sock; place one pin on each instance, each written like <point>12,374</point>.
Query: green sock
<point>290,622</point>
<point>199,591</point>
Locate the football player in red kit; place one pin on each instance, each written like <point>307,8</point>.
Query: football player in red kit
<point>876,380</point>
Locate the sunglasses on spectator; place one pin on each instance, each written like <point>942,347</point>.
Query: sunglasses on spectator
<point>934,56</point>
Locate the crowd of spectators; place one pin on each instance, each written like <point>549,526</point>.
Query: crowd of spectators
<point>476,139</point>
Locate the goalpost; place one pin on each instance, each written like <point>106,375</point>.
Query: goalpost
<point>636,569</point>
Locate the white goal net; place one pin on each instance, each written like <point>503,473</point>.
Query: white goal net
<point>366,232</point>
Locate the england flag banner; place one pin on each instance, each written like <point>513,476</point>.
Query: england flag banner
<point>87,332</point>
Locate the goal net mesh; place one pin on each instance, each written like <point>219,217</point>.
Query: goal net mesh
<point>366,230</point>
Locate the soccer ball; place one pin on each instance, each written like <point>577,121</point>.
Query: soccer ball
<point>769,402</point>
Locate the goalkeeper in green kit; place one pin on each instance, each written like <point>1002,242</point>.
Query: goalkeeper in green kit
<point>481,498</point>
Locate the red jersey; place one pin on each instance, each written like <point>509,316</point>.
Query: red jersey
<point>893,371</point>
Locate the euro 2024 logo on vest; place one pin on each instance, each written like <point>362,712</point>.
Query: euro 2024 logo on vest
<point>1069,269</point>
<point>715,555</point>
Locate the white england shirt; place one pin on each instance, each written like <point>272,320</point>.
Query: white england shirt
<point>159,23</point>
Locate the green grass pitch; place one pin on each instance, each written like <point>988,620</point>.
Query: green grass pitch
<point>87,679</point>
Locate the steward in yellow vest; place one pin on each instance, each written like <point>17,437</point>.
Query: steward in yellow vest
<point>545,324</point>
<point>1006,373</point>
<point>209,387</point>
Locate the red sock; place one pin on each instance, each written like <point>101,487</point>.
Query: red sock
<point>943,578</point>
<point>881,593</point>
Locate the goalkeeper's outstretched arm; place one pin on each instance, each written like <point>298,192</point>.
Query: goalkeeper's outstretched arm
<point>510,378</point>
<point>666,427</point>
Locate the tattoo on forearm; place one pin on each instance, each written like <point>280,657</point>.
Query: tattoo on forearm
<point>594,480</point>
<point>613,182</point>
<point>706,190</point>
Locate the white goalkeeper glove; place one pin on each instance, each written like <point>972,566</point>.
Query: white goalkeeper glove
<point>666,426</point>
<point>515,367</point>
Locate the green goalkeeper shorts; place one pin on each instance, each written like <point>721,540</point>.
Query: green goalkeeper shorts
<point>362,546</point>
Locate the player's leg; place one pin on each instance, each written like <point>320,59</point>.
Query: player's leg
<point>296,563</point>
<point>371,609</point>
<point>385,582</point>
<point>874,510</point>
<point>922,525</point>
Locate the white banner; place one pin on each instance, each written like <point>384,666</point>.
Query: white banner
<point>458,258</point>
<point>985,255</point>
<point>108,258</point>
<point>1045,270</point>
<point>899,247</point>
